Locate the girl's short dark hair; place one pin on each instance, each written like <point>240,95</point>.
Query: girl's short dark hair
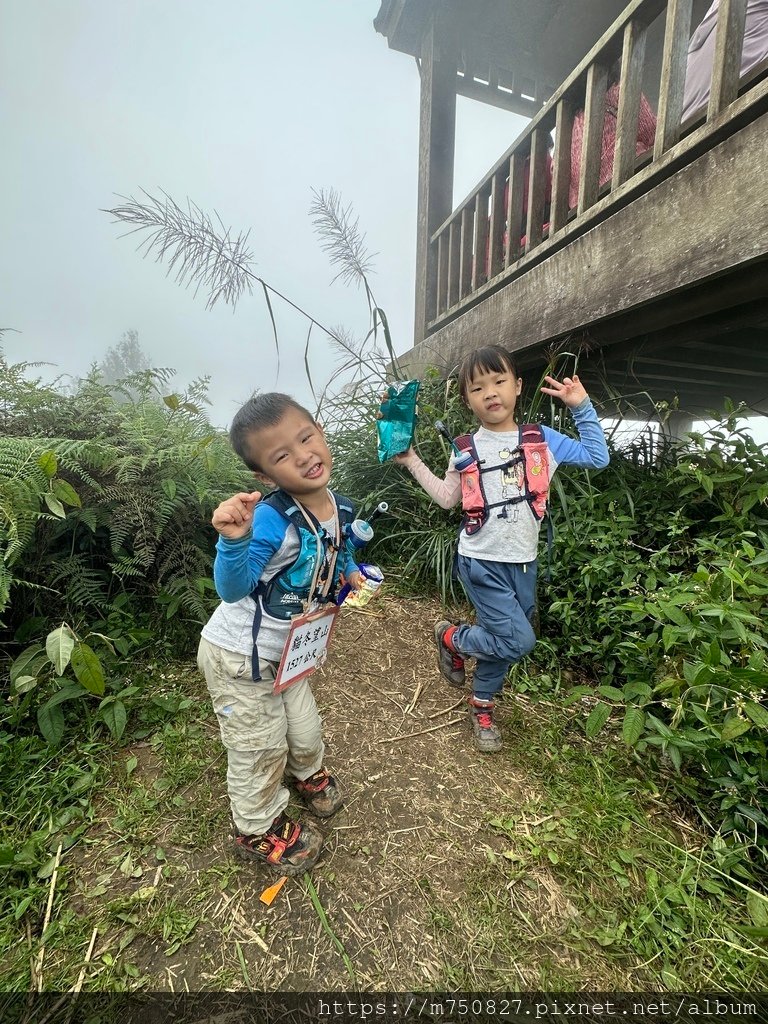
<point>488,359</point>
<point>260,411</point>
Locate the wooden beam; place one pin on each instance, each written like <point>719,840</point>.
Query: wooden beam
<point>495,97</point>
<point>729,42</point>
<point>630,91</point>
<point>673,63</point>
<point>437,137</point>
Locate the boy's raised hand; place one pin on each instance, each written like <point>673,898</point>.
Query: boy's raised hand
<point>570,391</point>
<point>233,518</point>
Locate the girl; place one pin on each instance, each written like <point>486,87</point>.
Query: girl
<point>503,492</point>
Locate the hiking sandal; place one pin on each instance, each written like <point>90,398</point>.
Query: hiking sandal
<point>287,847</point>
<point>320,793</point>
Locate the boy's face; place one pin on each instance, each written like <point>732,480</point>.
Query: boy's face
<point>293,454</point>
<point>492,397</point>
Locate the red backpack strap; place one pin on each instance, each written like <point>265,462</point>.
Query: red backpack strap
<point>473,503</point>
<point>537,468</point>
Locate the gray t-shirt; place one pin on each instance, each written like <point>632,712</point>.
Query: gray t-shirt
<point>514,536</point>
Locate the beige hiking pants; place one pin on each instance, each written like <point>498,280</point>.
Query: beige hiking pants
<point>264,733</point>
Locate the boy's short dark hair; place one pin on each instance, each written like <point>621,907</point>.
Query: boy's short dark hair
<point>260,411</point>
<point>488,359</point>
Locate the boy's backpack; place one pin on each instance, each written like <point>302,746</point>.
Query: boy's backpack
<point>532,452</point>
<point>283,596</point>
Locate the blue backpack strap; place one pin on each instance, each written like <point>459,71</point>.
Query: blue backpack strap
<point>282,503</point>
<point>288,507</point>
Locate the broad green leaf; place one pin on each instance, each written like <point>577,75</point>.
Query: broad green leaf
<point>597,719</point>
<point>674,755</point>
<point>115,717</point>
<point>23,684</point>
<point>734,727</point>
<point>633,726</point>
<point>66,493</point>
<point>51,722</point>
<point>7,856</point>
<point>48,463</point>
<point>611,692</point>
<point>70,690</point>
<point>679,618</point>
<point>757,713</point>
<point>87,668</point>
<point>172,401</point>
<point>169,488</point>
<point>59,645</point>
<point>22,664</point>
<point>54,505</point>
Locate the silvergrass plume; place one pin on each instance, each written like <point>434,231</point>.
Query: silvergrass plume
<point>208,255</point>
<point>200,252</point>
<point>341,238</point>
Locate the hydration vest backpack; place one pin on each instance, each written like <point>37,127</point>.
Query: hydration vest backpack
<point>532,452</point>
<point>284,595</point>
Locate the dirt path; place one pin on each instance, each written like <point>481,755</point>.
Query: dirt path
<point>404,861</point>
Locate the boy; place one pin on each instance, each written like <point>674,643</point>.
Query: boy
<point>503,493</point>
<point>273,557</point>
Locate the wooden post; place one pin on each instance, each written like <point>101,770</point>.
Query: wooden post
<point>630,89</point>
<point>672,87</point>
<point>465,251</point>
<point>452,291</point>
<point>561,172</point>
<point>514,206</point>
<point>729,42</point>
<point>442,273</point>
<point>592,142</point>
<point>537,182</point>
<point>498,213</point>
<point>437,135</point>
<point>480,246</point>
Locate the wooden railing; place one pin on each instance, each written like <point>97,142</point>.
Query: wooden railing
<point>502,226</point>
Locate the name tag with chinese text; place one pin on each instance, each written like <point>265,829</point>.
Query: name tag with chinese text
<point>306,647</point>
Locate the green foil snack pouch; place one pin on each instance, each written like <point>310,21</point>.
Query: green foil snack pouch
<point>398,419</point>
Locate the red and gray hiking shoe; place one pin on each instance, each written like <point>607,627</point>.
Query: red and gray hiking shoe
<point>449,661</point>
<point>485,733</point>
<point>287,847</point>
<point>320,793</point>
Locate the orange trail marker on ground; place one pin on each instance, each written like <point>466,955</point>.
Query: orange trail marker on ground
<point>269,894</point>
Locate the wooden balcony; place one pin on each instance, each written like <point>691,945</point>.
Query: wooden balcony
<point>658,274</point>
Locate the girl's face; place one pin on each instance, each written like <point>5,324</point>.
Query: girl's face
<point>492,397</point>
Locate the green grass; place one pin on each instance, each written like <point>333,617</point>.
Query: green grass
<point>596,877</point>
<point>637,899</point>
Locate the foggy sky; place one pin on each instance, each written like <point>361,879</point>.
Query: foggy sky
<point>243,108</point>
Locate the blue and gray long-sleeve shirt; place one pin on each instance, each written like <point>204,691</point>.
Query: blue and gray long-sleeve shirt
<point>240,565</point>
